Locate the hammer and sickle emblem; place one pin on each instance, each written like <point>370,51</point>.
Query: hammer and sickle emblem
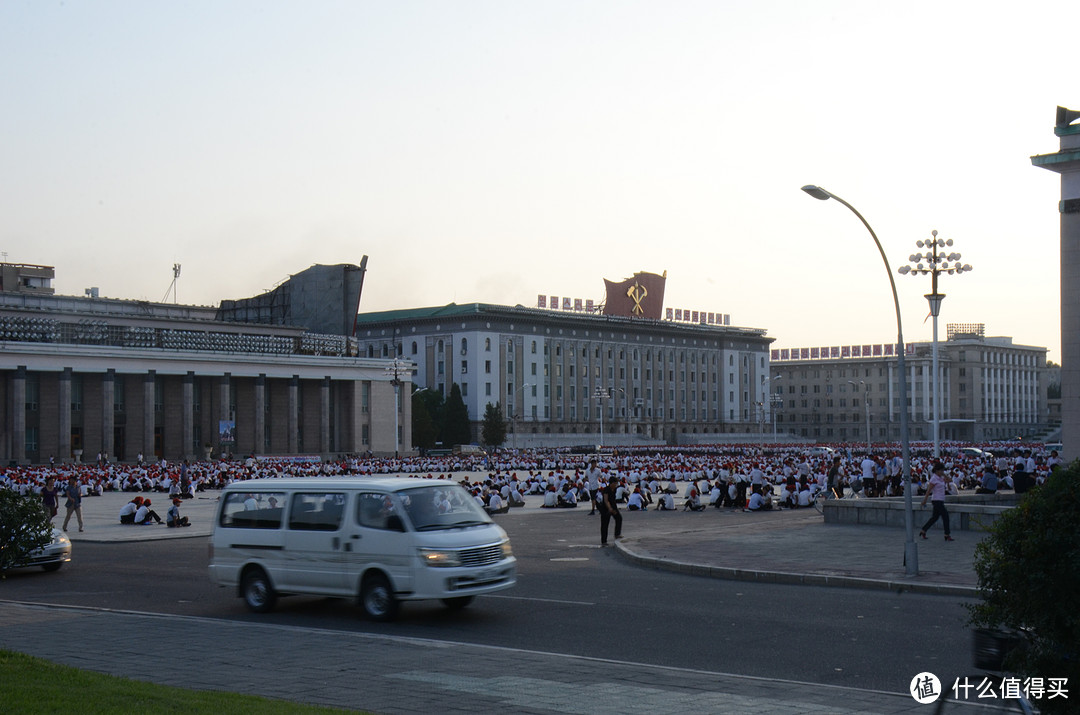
<point>637,294</point>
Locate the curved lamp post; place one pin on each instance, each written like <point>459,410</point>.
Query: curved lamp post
<point>911,553</point>
<point>935,264</point>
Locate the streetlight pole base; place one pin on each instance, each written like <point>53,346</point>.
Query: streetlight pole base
<point>911,558</point>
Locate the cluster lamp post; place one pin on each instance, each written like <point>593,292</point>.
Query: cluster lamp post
<point>934,263</point>
<point>397,369</point>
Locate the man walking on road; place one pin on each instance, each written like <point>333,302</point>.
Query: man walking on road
<point>609,509</point>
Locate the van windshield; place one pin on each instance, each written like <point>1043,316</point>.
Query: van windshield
<point>442,507</point>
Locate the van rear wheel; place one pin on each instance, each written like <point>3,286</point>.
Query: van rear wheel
<point>257,591</point>
<point>377,598</point>
<point>458,602</point>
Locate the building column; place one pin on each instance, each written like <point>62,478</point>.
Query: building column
<point>18,415</point>
<point>63,416</point>
<point>149,381</point>
<point>260,414</point>
<point>293,423</point>
<point>108,396</point>
<point>324,416</point>
<point>224,402</point>
<point>188,416</point>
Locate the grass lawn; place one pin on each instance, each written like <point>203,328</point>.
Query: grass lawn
<point>32,685</point>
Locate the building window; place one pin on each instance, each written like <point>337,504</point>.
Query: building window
<point>487,367</point>
<point>118,395</point>
<point>76,393</point>
<point>464,367</point>
<point>464,389</point>
<point>33,390</point>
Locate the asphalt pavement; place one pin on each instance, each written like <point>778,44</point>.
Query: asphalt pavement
<point>779,546</point>
<point>390,674</point>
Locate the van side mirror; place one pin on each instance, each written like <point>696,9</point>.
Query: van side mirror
<point>394,523</point>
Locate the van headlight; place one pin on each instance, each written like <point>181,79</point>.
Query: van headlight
<point>507,552</point>
<point>439,557</point>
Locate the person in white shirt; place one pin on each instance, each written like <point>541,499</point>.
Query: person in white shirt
<point>666,502</point>
<point>495,504</point>
<point>868,467</point>
<point>693,501</point>
<point>127,512</point>
<point>592,477</point>
<point>936,494</point>
<point>551,498</point>
<point>146,515</point>
<point>758,502</point>
<point>636,502</point>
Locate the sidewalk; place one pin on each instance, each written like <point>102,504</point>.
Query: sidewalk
<point>389,674</point>
<point>799,547</point>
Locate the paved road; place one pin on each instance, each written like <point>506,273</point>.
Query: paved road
<point>582,622</point>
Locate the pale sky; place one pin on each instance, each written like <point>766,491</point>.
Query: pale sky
<point>493,151</point>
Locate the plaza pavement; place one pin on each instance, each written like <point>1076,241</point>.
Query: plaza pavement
<point>390,674</point>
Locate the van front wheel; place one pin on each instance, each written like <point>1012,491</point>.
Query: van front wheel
<point>377,598</point>
<point>458,602</point>
<point>257,591</point>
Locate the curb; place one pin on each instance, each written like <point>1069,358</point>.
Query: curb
<point>807,579</point>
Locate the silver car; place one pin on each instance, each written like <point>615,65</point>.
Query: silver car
<point>53,555</point>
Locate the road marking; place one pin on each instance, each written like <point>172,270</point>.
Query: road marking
<point>571,558</point>
<point>541,600</point>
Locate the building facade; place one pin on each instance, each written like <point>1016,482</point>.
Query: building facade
<point>990,389</point>
<point>83,376</point>
<point>568,377</point>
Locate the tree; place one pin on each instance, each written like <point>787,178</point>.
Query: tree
<point>424,430</point>
<point>455,426</point>
<point>1029,575</point>
<point>24,526</point>
<point>493,430</point>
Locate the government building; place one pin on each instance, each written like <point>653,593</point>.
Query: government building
<point>277,374</point>
<point>571,373</point>
<point>991,389</point>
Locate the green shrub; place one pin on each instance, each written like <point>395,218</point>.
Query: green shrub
<point>1029,575</point>
<point>24,526</point>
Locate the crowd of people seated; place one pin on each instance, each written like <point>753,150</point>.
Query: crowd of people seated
<point>733,477</point>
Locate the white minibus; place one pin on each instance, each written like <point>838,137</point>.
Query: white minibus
<point>379,540</point>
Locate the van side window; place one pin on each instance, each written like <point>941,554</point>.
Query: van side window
<point>316,511</point>
<point>373,510</point>
<point>252,510</point>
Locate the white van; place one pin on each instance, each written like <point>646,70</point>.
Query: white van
<point>382,541</point>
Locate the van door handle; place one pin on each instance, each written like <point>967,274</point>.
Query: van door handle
<point>356,536</point>
<point>336,542</point>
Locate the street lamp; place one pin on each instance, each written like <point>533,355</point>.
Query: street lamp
<point>774,400</point>
<point>866,405</point>
<point>397,369</point>
<point>600,394</point>
<point>935,263</point>
<point>911,553</point>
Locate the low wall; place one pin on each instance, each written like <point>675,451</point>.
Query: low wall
<point>969,512</point>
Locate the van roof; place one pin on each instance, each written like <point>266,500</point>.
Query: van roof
<point>356,482</point>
